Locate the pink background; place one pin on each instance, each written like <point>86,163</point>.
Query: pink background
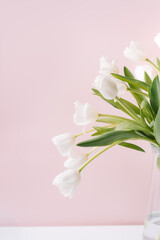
<point>49,56</point>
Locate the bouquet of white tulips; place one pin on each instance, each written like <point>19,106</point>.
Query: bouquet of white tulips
<point>141,123</point>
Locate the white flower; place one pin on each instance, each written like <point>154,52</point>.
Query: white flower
<point>107,67</point>
<point>84,114</point>
<point>122,88</point>
<point>106,86</point>
<point>139,72</point>
<point>109,87</point>
<point>135,52</point>
<point>157,39</point>
<point>67,182</point>
<point>65,143</point>
<point>75,162</point>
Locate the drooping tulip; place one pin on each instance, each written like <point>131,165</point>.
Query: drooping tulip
<point>122,88</point>
<point>84,114</point>
<point>67,182</point>
<point>65,143</point>
<point>75,162</point>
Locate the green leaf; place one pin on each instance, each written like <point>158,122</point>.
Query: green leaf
<point>142,134</point>
<point>97,128</point>
<point>114,104</point>
<point>112,119</point>
<point>138,92</point>
<point>142,117</point>
<point>117,105</point>
<point>110,138</point>
<point>146,111</point>
<point>151,124</point>
<point>147,78</point>
<point>102,130</point>
<point>111,102</point>
<point>157,127</point>
<point>128,73</point>
<point>132,107</point>
<point>158,162</point>
<point>130,125</point>
<point>137,97</point>
<point>136,83</point>
<point>132,146</point>
<point>158,62</point>
<point>145,104</point>
<point>155,94</point>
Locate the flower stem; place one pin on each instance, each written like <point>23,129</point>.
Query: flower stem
<point>131,113</point>
<point>113,116</point>
<point>92,150</point>
<point>108,147</point>
<point>153,64</point>
<point>80,134</point>
<point>96,155</point>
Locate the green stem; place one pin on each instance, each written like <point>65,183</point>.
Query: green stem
<point>138,92</point>
<point>131,113</point>
<point>92,150</point>
<point>80,134</point>
<point>108,115</point>
<point>96,155</point>
<point>153,64</point>
<point>141,121</point>
<point>108,147</point>
<point>112,116</point>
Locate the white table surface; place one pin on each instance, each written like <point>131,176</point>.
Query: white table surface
<point>72,233</point>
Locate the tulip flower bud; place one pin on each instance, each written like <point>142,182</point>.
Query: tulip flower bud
<point>67,182</point>
<point>84,114</point>
<point>139,72</point>
<point>106,86</point>
<point>75,162</point>
<point>107,67</point>
<point>65,143</point>
<point>135,52</point>
<point>122,88</point>
<point>157,39</point>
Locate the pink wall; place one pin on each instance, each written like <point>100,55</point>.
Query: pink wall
<point>49,53</point>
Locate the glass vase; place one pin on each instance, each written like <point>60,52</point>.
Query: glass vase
<point>152,221</point>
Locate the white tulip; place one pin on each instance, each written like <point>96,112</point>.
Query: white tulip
<point>157,39</point>
<point>135,52</point>
<point>139,72</point>
<point>106,86</point>
<point>65,143</point>
<point>84,114</point>
<point>67,182</point>
<point>98,80</point>
<point>75,162</point>
<point>109,87</point>
<point>122,88</point>
<point>107,67</point>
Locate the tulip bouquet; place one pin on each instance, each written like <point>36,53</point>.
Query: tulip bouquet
<point>142,121</point>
